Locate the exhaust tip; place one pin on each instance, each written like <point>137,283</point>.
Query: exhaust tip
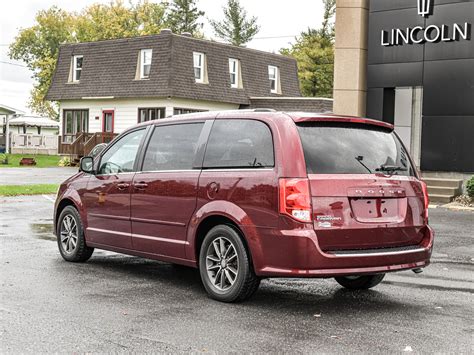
<point>417,271</point>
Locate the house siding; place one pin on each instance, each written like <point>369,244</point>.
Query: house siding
<point>126,110</point>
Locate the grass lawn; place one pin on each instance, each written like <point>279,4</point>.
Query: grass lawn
<point>36,189</point>
<point>42,161</point>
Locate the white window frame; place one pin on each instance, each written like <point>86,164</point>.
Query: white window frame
<point>75,69</point>
<point>236,64</point>
<point>275,79</point>
<point>199,66</point>
<point>143,53</point>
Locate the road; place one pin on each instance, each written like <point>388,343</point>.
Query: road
<point>117,303</point>
<point>27,176</point>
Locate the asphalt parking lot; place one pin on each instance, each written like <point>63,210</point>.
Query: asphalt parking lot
<point>117,303</point>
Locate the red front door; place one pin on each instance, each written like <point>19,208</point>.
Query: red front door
<point>108,121</point>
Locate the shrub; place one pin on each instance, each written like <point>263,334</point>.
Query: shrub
<point>66,161</point>
<point>470,187</point>
<point>3,159</point>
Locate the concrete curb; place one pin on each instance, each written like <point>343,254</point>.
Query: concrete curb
<point>453,206</point>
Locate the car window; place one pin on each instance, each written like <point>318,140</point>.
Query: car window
<point>172,147</point>
<point>341,148</point>
<point>120,158</point>
<point>239,144</point>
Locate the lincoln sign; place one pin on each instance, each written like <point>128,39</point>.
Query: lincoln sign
<point>431,34</point>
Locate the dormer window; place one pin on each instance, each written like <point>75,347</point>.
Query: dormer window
<point>274,77</point>
<point>234,71</point>
<point>77,68</point>
<point>145,63</point>
<point>199,67</point>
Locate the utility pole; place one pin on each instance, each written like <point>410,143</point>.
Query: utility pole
<point>7,134</point>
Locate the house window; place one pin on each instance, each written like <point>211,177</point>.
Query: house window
<point>148,114</point>
<point>273,76</point>
<point>234,68</point>
<point>182,111</point>
<point>77,67</point>
<point>198,67</point>
<point>74,122</point>
<point>145,63</point>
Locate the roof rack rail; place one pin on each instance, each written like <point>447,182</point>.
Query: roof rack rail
<point>264,110</point>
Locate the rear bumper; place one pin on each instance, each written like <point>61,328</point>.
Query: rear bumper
<point>302,257</point>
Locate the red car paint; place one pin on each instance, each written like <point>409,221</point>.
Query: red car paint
<point>360,223</point>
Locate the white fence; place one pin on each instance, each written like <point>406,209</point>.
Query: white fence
<point>33,143</point>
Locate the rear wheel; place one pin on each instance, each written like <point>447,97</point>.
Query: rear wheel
<point>362,282</point>
<point>225,266</point>
<point>70,233</point>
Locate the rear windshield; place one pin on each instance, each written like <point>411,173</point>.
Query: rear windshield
<point>341,148</point>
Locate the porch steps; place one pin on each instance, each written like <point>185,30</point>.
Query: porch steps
<point>443,190</point>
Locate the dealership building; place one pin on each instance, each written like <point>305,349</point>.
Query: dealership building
<point>411,63</point>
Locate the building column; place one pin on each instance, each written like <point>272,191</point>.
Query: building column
<point>350,66</point>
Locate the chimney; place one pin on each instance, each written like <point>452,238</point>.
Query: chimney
<point>166,31</point>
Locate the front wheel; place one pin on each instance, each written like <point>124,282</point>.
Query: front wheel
<point>225,266</point>
<point>362,282</point>
<point>70,233</point>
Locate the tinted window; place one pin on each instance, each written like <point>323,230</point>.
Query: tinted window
<point>172,147</point>
<point>120,158</point>
<point>351,149</point>
<point>239,144</point>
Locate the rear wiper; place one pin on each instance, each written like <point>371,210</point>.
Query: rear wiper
<point>391,168</point>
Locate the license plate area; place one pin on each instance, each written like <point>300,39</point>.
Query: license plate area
<point>379,209</point>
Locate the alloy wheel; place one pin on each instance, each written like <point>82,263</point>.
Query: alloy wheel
<point>69,235</point>
<point>222,263</point>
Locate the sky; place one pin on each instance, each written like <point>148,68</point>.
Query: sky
<point>280,21</point>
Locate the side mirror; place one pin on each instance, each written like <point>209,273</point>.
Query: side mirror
<point>86,165</point>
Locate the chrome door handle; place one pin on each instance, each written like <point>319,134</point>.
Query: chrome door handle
<point>140,185</point>
<point>123,185</point>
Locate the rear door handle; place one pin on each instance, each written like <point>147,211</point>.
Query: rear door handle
<point>123,185</point>
<point>140,185</point>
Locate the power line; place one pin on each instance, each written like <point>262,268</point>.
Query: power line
<point>275,37</point>
<point>18,65</point>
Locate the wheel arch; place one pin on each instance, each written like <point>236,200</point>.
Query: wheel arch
<point>65,201</point>
<point>222,212</point>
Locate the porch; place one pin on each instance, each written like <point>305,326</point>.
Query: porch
<point>80,144</point>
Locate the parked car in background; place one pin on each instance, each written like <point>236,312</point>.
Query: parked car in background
<point>97,149</point>
<point>246,195</point>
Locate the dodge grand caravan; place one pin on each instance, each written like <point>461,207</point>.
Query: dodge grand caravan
<point>246,195</point>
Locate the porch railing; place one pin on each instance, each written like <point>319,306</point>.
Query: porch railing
<point>81,144</point>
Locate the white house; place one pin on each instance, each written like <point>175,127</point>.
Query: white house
<point>105,87</point>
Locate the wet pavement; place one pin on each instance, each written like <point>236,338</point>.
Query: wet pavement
<point>26,176</point>
<point>117,303</point>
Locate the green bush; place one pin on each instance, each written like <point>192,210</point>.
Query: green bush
<point>470,187</point>
<point>3,158</point>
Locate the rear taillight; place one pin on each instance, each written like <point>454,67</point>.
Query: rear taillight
<point>295,199</point>
<point>426,199</point>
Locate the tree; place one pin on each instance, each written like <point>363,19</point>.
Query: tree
<point>314,53</point>
<point>183,17</point>
<point>38,46</point>
<point>235,28</point>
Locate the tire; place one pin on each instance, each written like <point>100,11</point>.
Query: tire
<point>70,235</point>
<point>230,278</point>
<point>363,282</point>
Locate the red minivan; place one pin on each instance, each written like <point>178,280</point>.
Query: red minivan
<point>251,194</point>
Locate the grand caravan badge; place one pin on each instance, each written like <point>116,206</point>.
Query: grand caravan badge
<point>326,221</point>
